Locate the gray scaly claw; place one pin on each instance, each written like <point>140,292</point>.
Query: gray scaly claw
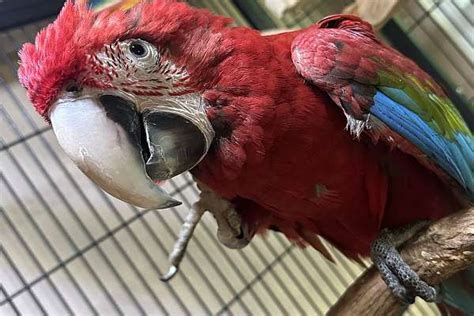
<point>185,234</point>
<point>399,277</point>
<point>173,270</point>
<point>230,230</point>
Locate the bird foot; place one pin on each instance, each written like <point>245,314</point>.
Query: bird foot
<point>230,230</point>
<point>399,277</point>
<point>185,234</point>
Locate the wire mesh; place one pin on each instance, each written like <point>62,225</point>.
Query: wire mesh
<point>69,248</point>
<point>443,30</point>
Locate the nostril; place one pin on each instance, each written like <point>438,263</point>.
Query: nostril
<point>73,87</point>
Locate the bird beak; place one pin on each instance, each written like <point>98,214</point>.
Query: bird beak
<point>125,151</point>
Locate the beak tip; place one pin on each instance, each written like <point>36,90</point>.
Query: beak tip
<point>171,203</point>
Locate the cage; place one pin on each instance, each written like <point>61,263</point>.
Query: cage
<point>69,248</point>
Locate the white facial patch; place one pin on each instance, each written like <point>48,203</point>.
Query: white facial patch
<point>151,72</point>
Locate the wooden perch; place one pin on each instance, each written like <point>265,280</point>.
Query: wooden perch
<point>439,251</point>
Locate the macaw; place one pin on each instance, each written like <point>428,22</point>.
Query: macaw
<point>324,131</point>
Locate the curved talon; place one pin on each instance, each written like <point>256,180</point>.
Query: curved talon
<point>231,232</point>
<point>185,235</point>
<point>399,277</point>
<point>173,270</point>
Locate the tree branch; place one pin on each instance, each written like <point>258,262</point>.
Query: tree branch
<point>436,253</point>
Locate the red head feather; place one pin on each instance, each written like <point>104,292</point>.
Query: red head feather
<point>61,50</point>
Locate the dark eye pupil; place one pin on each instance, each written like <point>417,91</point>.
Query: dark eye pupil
<point>137,49</point>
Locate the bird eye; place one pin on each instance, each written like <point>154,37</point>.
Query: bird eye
<point>140,54</point>
<point>137,49</point>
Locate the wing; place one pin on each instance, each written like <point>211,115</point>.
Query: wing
<point>99,5</point>
<point>386,95</point>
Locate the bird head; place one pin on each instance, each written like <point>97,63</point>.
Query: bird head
<point>121,89</point>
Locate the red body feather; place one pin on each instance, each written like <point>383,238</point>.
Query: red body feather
<point>287,162</point>
<point>281,152</point>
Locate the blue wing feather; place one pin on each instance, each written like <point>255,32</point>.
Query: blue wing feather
<point>455,156</point>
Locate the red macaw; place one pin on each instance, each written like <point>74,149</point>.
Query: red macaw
<point>322,131</point>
